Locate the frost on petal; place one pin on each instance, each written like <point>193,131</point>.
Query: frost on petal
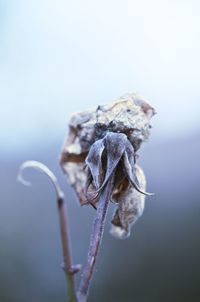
<point>130,207</point>
<point>102,160</point>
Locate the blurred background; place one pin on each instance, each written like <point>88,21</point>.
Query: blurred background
<point>58,57</point>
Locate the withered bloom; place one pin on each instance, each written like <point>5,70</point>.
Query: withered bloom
<point>104,141</point>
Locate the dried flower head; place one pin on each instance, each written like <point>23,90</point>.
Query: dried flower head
<point>102,142</point>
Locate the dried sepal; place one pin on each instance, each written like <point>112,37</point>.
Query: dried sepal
<point>94,162</point>
<point>130,171</point>
<point>115,144</point>
<point>102,165</point>
<point>117,149</point>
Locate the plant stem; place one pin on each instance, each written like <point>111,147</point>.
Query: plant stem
<point>95,239</point>
<point>64,228</point>
<point>67,259</point>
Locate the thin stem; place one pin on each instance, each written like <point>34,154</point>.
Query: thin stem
<point>95,239</point>
<point>64,228</point>
<point>67,258</point>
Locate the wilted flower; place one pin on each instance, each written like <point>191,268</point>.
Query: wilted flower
<point>103,142</point>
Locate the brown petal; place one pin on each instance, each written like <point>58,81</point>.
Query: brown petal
<point>130,207</point>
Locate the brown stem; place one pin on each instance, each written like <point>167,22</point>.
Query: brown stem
<point>64,228</point>
<point>68,268</point>
<point>95,239</point>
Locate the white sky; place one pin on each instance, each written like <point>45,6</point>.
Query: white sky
<point>57,57</point>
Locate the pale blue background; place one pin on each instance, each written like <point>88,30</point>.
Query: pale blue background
<point>57,57</point>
